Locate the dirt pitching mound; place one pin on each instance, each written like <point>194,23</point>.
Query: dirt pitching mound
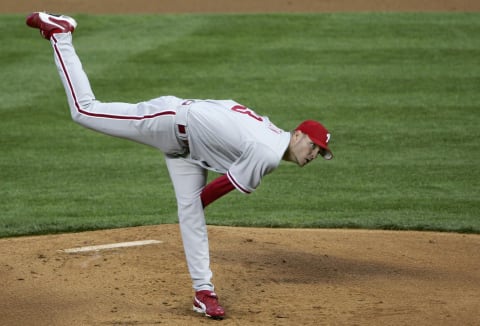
<point>263,277</point>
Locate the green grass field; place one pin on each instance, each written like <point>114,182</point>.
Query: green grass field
<point>399,92</point>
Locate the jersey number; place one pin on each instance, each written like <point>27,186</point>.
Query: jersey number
<point>244,110</point>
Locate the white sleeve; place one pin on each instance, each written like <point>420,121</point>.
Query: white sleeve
<point>248,170</point>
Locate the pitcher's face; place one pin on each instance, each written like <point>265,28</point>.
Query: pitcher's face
<point>303,149</point>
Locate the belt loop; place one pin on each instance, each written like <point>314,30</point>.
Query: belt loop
<point>181,122</point>
<point>182,129</point>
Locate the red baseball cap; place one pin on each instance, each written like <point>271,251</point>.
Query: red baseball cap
<point>319,135</point>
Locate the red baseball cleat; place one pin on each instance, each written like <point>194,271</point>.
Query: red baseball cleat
<point>49,24</point>
<point>206,302</point>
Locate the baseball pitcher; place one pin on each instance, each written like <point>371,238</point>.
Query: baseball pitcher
<point>196,136</point>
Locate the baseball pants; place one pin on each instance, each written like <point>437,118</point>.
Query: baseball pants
<point>152,123</point>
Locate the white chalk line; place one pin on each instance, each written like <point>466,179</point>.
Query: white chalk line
<point>111,246</point>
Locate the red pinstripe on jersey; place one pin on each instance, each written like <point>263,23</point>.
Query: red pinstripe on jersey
<point>99,115</point>
<point>236,184</point>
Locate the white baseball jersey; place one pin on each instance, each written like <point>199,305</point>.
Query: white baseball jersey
<point>227,137</point>
<point>223,136</point>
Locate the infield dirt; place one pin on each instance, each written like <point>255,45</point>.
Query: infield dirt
<point>263,276</point>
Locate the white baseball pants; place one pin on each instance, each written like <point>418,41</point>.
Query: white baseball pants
<point>151,123</point>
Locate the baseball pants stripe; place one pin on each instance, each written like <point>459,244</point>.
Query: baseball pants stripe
<point>150,122</point>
